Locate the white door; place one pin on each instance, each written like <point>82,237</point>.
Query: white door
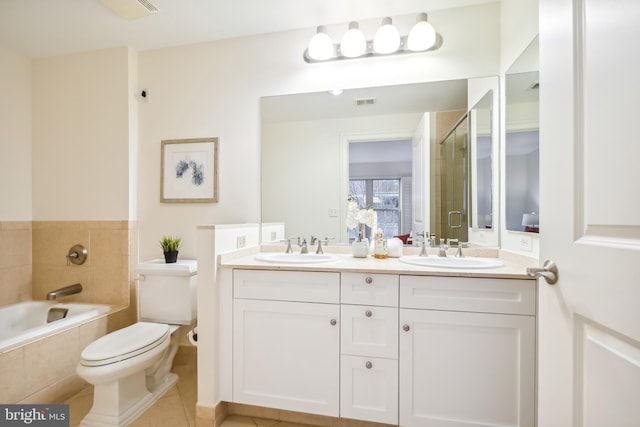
<point>589,330</point>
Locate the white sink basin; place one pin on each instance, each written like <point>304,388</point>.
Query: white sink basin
<point>295,258</point>
<point>466,262</point>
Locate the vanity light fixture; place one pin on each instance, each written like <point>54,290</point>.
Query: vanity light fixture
<point>321,46</point>
<point>387,38</point>
<point>386,42</point>
<point>422,36</point>
<point>353,43</point>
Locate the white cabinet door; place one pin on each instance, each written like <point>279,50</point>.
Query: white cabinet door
<point>287,355</point>
<point>369,389</point>
<point>462,369</point>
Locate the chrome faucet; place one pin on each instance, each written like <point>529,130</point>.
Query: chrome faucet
<point>423,250</point>
<point>303,246</point>
<point>289,249</point>
<point>442,250</point>
<point>63,292</point>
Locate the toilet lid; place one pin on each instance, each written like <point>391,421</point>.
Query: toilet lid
<point>125,343</point>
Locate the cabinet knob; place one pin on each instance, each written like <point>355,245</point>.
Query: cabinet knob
<point>333,322</point>
<point>368,365</point>
<point>406,328</point>
<point>368,313</point>
<point>368,280</point>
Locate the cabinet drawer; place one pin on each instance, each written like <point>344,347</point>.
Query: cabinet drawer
<point>508,296</point>
<point>303,286</point>
<point>370,289</point>
<point>369,389</point>
<point>369,331</point>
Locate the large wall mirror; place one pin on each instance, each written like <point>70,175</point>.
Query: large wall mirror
<point>522,152</point>
<point>318,148</point>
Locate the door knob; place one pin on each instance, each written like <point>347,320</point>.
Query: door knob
<point>549,271</point>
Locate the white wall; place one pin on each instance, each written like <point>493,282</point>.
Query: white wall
<point>213,89</point>
<point>81,136</point>
<point>15,137</point>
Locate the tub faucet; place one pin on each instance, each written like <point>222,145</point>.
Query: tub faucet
<point>63,292</point>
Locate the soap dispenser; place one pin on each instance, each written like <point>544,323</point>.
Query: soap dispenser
<point>380,247</point>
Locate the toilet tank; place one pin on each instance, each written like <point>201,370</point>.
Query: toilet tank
<point>167,292</point>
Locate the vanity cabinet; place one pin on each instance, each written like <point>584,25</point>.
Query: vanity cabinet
<point>369,347</point>
<point>467,352</point>
<point>408,350</point>
<point>286,340</point>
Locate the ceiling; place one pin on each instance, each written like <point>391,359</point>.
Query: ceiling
<point>397,99</point>
<point>45,28</point>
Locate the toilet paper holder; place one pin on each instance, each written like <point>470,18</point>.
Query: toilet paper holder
<point>193,336</point>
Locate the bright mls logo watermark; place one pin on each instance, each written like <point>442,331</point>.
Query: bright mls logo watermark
<point>34,415</point>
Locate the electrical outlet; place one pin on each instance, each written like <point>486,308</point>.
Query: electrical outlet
<point>241,242</point>
<point>333,212</point>
<point>526,243</point>
<point>273,236</point>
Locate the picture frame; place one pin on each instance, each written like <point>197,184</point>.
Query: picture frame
<point>189,170</point>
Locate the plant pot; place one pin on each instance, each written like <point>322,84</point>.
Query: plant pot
<point>360,249</point>
<point>170,257</point>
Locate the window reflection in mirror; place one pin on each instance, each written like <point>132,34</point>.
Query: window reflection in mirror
<point>380,175</point>
<point>481,130</point>
<point>522,153</point>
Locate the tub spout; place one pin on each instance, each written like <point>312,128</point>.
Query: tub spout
<point>63,292</point>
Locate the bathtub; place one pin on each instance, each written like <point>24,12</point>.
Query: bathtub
<point>27,321</point>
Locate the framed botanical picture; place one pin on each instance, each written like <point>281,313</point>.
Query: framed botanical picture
<point>189,171</point>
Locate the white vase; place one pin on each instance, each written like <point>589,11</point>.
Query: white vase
<point>360,249</point>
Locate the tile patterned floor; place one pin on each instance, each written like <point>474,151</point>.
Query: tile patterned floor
<point>176,408</point>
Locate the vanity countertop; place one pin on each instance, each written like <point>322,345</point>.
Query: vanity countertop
<point>514,265</point>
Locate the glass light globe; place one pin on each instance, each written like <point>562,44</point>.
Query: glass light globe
<point>387,38</point>
<point>353,43</point>
<point>320,47</point>
<point>422,36</point>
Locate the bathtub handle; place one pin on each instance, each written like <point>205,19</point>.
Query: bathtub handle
<point>77,255</point>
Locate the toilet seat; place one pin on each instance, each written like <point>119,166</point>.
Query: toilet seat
<point>125,343</point>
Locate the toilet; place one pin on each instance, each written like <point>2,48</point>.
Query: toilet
<point>131,368</point>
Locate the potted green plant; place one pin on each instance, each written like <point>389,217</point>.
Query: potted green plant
<point>170,246</point>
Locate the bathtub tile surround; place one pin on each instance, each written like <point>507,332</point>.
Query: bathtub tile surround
<point>32,263</point>
<point>15,261</point>
<point>107,277</point>
<point>44,371</point>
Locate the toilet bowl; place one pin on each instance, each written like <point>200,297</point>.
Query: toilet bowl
<point>131,367</point>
